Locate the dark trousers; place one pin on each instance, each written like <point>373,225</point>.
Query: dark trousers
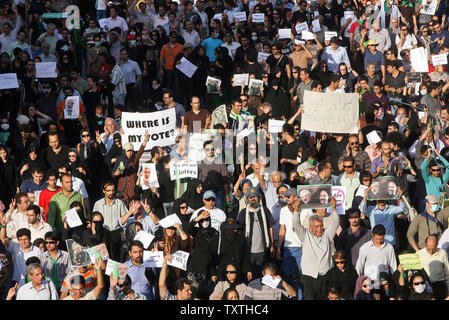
<point>131,97</point>
<point>257,260</point>
<point>313,289</point>
<point>439,290</point>
<point>116,243</point>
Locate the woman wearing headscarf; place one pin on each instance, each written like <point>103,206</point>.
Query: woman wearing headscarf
<point>279,100</point>
<point>32,161</point>
<point>322,74</point>
<point>8,176</point>
<point>233,248</point>
<point>115,152</point>
<point>232,281</point>
<point>193,194</point>
<point>78,168</point>
<point>344,274</point>
<point>418,286</point>
<point>180,208</point>
<point>387,290</point>
<point>224,68</point>
<point>363,289</point>
<point>202,264</point>
<point>130,233</point>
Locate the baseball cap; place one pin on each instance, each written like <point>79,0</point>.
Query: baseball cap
<point>128,146</point>
<point>188,45</point>
<point>253,192</point>
<point>432,198</point>
<point>209,194</point>
<point>290,192</point>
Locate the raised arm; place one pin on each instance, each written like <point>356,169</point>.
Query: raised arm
<point>163,277</point>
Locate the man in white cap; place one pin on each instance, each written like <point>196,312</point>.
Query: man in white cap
<point>217,216</point>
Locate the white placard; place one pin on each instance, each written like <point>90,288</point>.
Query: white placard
<point>284,33</point>
<point>339,193</point>
<point>418,59</point>
<point>439,59</point>
<point>149,179</point>
<point>262,57</point>
<point>241,78</point>
<point>361,191</point>
<point>373,137</point>
<point>275,126</point>
<point>429,8</point>
<point>46,70</point>
<point>349,14</point>
<point>240,16</point>
<point>8,81</point>
<point>183,169</point>
<point>243,133</point>
<point>307,35</point>
<point>72,107</point>
<point>316,14</point>
<point>161,126</point>
<point>218,16</point>
<point>258,17</point>
<point>301,26</point>
<point>145,237</point>
<point>329,34</point>
<point>254,87</point>
<point>421,114</point>
<point>179,260</point>
<point>342,119</point>
<point>316,27</point>
<point>186,67</point>
<point>72,218</point>
<point>271,282</point>
<point>170,221</point>
<point>153,259</point>
<point>210,81</point>
<point>196,151</point>
<point>103,23</point>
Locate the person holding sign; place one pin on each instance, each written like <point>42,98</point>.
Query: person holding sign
<point>301,56</point>
<point>334,55</point>
<point>78,285</point>
<point>125,291</point>
<point>182,285</point>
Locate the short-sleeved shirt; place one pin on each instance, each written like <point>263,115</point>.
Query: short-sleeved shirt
<point>131,71</point>
<point>191,116</point>
<point>170,57</point>
<point>397,82</point>
<point>44,200</point>
<point>20,257</point>
<point>210,45</point>
<point>291,238</point>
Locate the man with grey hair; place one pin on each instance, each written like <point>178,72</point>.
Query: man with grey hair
<point>49,37</point>
<point>316,249</point>
<point>107,137</point>
<point>271,186</point>
<point>37,289</point>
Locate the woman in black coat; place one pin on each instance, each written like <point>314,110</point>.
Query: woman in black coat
<point>343,274</point>
<point>8,176</point>
<point>193,194</point>
<point>279,100</point>
<point>32,161</point>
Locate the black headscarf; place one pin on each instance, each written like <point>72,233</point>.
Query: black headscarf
<point>193,198</point>
<point>185,218</point>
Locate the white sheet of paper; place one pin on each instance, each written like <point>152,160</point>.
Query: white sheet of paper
<point>144,237</point>
<point>179,260</point>
<point>418,59</point>
<point>329,34</point>
<point>270,281</point>
<point>307,35</point>
<point>46,70</point>
<point>92,256</point>
<point>72,107</point>
<point>8,81</point>
<point>275,126</point>
<point>218,16</point>
<point>241,78</point>
<point>439,59</point>
<point>258,17</point>
<point>262,57</point>
<point>316,14</point>
<point>301,26</point>
<point>211,80</point>
<point>186,67</point>
<point>361,191</point>
<point>110,267</point>
<point>169,221</point>
<point>284,33</point>
<point>373,137</point>
<point>73,219</point>
<point>421,114</point>
<point>153,259</point>
<point>316,26</point>
<point>240,16</point>
<point>349,14</point>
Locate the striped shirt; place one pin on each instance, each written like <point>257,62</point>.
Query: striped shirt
<point>89,276</point>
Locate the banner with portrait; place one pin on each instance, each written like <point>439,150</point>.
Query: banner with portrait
<point>384,188</point>
<point>315,196</point>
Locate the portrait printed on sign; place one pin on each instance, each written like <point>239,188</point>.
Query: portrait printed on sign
<point>72,107</point>
<point>148,178</point>
<point>315,196</point>
<point>79,255</point>
<point>384,188</point>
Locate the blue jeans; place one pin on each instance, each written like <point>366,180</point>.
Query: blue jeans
<point>291,263</point>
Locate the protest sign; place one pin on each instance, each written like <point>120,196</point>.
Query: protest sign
<point>315,196</point>
<point>46,70</point>
<point>212,84</point>
<point>384,188</point>
<point>330,112</point>
<point>307,35</point>
<point>410,261</point>
<point>418,59</point>
<point>270,281</point>
<point>196,152</point>
<point>329,34</point>
<point>97,252</point>
<point>161,127</point>
<point>72,107</point>
<point>72,218</point>
<point>301,26</point>
<point>170,221</point>
<point>373,137</point>
<point>243,133</point>
<point>262,57</point>
<point>118,270</point>
<point>316,27</point>
<point>149,179</point>
<point>218,16</point>
<point>429,7</point>
<point>183,169</point>
<point>349,15</point>
<point>361,191</point>
<point>79,257</point>
<point>240,16</point>
<point>103,23</point>
<point>153,259</point>
<point>145,237</point>
<point>258,17</point>
<point>284,33</point>
<point>220,114</point>
<point>241,78</point>
<point>186,67</point>
<point>413,77</point>
<point>8,81</point>
<point>439,59</point>
<point>275,126</point>
<point>254,87</point>
<point>339,193</point>
<point>179,260</point>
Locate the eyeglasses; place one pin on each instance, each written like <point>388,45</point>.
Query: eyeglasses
<point>231,271</point>
<point>182,207</point>
<point>418,283</point>
<point>340,262</point>
<point>294,71</point>
<point>354,143</point>
<point>85,135</point>
<point>366,179</point>
<point>210,199</point>
<point>209,149</point>
<point>120,285</point>
<point>50,242</point>
<point>403,29</point>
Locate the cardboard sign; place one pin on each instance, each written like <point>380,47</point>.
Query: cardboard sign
<point>410,261</point>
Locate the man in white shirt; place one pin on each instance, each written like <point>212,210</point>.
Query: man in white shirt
<point>115,21</point>
<point>204,18</point>
<point>230,44</point>
<point>17,217</point>
<point>217,215</point>
<point>8,37</point>
<point>107,137</point>
<point>190,35</point>
<point>36,225</point>
<point>160,19</point>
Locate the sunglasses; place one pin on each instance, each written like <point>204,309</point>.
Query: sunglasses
<point>210,199</point>
<point>182,207</point>
<point>354,143</point>
<point>435,170</point>
<point>347,166</point>
<point>209,149</point>
<point>231,271</point>
<point>340,262</point>
<point>244,100</point>
<point>85,135</point>
<point>50,242</point>
<point>418,283</point>
<point>97,221</point>
<point>366,286</point>
<point>120,285</point>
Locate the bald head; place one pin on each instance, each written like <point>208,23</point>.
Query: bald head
<point>431,244</point>
<point>276,179</point>
<point>109,125</point>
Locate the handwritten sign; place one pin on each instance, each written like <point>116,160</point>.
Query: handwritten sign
<point>414,77</point>
<point>240,79</point>
<point>307,35</point>
<point>275,126</point>
<point>439,59</point>
<point>316,27</point>
<point>179,260</point>
<point>153,259</point>
<point>418,59</point>
<point>301,26</point>
<point>410,261</point>
<point>183,169</point>
<point>240,16</point>
<point>284,33</point>
<point>342,119</point>
<point>329,34</point>
<point>258,17</point>
<point>8,81</point>
<point>46,70</point>
<point>186,67</point>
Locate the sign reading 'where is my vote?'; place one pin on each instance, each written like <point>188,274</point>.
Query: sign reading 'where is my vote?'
<point>330,112</point>
<point>161,126</point>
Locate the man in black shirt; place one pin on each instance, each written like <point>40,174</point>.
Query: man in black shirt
<point>289,151</point>
<point>55,156</point>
